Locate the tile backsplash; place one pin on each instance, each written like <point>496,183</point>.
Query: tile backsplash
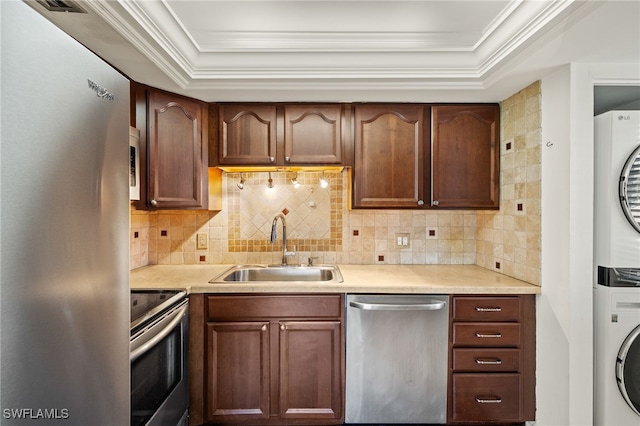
<point>320,225</point>
<point>313,214</point>
<point>509,240</point>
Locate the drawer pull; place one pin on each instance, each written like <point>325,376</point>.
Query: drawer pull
<point>488,399</point>
<point>488,309</point>
<point>488,335</point>
<point>488,361</point>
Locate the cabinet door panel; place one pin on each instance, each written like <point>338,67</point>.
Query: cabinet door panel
<point>313,134</point>
<point>486,397</point>
<point>247,134</point>
<point>177,154</point>
<point>486,334</point>
<point>486,308</point>
<point>466,155</point>
<point>479,360</point>
<point>310,370</point>
<point>237,371</point>
<point>389,156</point>
<point>253,306</point>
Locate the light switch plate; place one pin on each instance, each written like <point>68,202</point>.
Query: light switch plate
<point>201,241</point>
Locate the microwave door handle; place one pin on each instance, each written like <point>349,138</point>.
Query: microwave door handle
<point>369,306</point>
<point>141,350</point>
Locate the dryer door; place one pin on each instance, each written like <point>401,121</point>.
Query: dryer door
<point>629,189</point>
<point>628,370</point>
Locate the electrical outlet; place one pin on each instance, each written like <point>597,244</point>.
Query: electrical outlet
<point>403,240</point>
<point>202,241</point>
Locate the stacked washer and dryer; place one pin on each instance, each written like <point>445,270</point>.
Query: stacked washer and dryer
<point>617,278</point>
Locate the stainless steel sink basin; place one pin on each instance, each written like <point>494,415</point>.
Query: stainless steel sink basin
<point>278,273</point>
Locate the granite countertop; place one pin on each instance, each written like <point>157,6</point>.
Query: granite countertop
<point>425,279</point>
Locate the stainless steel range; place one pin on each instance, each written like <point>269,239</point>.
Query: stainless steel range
<point>158,354</point>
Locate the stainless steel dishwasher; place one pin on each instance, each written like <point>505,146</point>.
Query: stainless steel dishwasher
<point>397,358</point>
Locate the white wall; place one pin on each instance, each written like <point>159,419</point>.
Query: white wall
<point>553,305</point>
<point>565,307</point>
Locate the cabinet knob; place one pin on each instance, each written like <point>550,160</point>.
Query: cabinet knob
<point>282,327</point>
<point>272,159</point>
<point>435,202</point>
<point>154,203</point>
<point>264,327</point>
<point>420,202</point>
<point>287,159</point>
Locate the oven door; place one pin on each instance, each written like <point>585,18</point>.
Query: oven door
<point>159,388</point>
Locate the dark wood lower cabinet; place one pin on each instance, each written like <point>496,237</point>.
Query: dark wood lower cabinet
<point>492,360</point>
<point>310,370</point>
<point>237,371</point>
<point>268,359</point>
<point>279,359</point>
<point>486,398</point>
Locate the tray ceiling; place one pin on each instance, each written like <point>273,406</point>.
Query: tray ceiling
<point>340,50</point>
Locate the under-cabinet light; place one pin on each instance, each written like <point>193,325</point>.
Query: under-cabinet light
<point>324,183</point>
<point>295,182</point>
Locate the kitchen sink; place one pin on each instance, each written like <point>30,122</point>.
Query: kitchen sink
<point>280,273</point>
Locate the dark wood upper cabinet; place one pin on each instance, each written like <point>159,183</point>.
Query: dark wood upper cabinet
<point>281,134</point>
<point>466,156</point>
<point>313,134</point>
<point>177,131</point>
<point>247,134</point>
<point>173,150</point>
<point>390,158</point>
<point>427,156</point>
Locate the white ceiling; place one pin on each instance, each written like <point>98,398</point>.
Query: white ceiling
<point>351,50</point>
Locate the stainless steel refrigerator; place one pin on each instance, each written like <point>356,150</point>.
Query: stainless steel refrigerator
<point>64,264</point>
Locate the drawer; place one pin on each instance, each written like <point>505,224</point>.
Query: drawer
<point>500,308</point>
<point>486,397</point>
<point>486,334</point>
<point>480,360</point>
<point>238,307</point>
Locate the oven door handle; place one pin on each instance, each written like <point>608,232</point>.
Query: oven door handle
<point>173,319</point>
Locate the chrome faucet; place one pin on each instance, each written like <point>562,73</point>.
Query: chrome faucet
<point>274,235</point>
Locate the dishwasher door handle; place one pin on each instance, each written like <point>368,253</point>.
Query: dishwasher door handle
<point>382,306</point>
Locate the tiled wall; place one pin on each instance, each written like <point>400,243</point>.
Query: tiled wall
<point>313,213</point>
<point>320,225</point>
<point>508,241</point>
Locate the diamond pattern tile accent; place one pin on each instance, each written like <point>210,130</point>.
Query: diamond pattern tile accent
<point>314,217</point>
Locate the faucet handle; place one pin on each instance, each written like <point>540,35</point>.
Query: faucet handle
<point>310,260</point>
